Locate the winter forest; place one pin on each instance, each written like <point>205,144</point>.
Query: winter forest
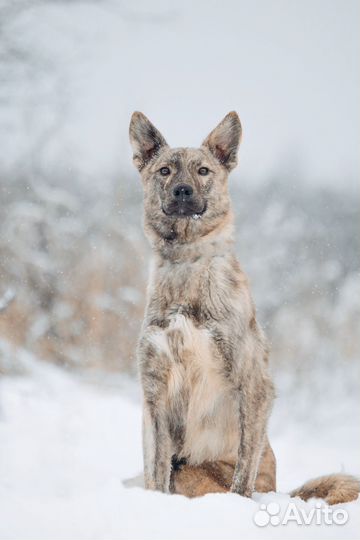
<point>74,260</point>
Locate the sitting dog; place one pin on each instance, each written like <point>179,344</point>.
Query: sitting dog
<point>203,358</point>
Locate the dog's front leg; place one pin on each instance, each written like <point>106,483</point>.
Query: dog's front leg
<point>254,403</point>
<point>157,442</point>
<point>156,448</point>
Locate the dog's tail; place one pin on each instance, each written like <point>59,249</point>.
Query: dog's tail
<point>334,488</point>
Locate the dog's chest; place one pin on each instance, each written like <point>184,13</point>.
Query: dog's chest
<point>199,394</point>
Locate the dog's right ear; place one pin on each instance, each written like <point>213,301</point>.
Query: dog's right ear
<point>145,139</point>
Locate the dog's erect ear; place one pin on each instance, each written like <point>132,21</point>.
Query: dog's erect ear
<point>223,142</point>
<point>145,139</point>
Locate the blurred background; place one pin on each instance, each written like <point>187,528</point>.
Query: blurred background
<point>73,257</point>
<point>74,260</point>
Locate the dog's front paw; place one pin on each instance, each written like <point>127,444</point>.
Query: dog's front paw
<point>240,490</point>
<point>149,483</point>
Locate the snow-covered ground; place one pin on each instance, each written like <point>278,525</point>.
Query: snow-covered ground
<point>70,449</point>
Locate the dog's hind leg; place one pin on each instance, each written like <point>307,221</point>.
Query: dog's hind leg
<point>198,480</point>
<point>216,476</point>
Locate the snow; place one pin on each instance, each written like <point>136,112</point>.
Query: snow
<point>71,450</point>
<point>6,299</point>
<point>73,259</point>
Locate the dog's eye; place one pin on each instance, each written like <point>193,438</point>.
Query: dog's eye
<point>203,171</point>
<point>164,171</point>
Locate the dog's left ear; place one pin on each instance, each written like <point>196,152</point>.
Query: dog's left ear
<point>145,139</point>
<point>223,142</point>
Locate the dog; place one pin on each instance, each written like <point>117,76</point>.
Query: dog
<point>203,357</point>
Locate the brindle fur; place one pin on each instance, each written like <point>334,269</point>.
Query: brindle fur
<point>203,357</point>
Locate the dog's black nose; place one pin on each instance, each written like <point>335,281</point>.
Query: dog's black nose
<point>183,192</point>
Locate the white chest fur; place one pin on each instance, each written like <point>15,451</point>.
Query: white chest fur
<point>197,386</point>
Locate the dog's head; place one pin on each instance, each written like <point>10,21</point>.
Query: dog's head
<point>186,193</point>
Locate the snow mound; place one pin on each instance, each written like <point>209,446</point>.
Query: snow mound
<point>71,458</point>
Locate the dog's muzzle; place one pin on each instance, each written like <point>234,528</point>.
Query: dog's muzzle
<point>184,209</point>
